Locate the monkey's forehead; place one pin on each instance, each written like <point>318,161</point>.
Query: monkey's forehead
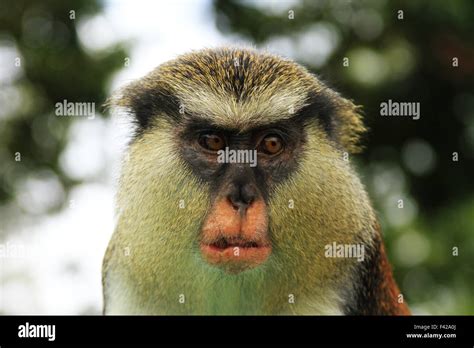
<point>235,87</point>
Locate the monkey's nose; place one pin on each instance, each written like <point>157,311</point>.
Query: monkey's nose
<point>242,196</point>
<point>239,206</point>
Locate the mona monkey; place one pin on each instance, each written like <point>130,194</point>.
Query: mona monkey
<point>198,236</point>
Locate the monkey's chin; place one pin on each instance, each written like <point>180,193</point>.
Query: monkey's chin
<point>235,259</point>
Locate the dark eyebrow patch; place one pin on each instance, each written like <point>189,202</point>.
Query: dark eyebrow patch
<point>320,107</point>
<point>146,105</point>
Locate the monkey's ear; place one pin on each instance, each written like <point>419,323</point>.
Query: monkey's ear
<point>346,122</point>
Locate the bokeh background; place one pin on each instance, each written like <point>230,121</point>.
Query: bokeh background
<point>58,174</point>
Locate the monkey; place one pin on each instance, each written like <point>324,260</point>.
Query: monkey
<point>198,236</point>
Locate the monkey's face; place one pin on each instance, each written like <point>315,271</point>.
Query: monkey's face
<point>253,146</point>
<point>241,169</point>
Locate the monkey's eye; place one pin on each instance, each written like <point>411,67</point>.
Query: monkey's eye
<point>212,142</point>
<point>271,144</point>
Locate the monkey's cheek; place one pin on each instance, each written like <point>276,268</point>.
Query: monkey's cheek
<point>236,259</point>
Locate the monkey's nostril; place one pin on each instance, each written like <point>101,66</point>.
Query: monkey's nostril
<point>236,204</point>
<point>242,197</point>
<point>239,207</point>
<point>248,193</point>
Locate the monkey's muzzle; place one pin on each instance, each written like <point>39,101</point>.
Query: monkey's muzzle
<point>233,240</point>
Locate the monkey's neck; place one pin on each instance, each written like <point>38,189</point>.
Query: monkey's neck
<point>376,292</point>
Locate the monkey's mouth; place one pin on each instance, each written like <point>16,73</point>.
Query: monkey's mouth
<point>235,254</point>
<point>224,243</point>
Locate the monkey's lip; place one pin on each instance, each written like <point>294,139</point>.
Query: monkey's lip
<point>235,255</point>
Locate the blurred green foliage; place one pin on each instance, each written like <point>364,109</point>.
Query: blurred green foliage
<point>41,43</point>
<point>404,51</point>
